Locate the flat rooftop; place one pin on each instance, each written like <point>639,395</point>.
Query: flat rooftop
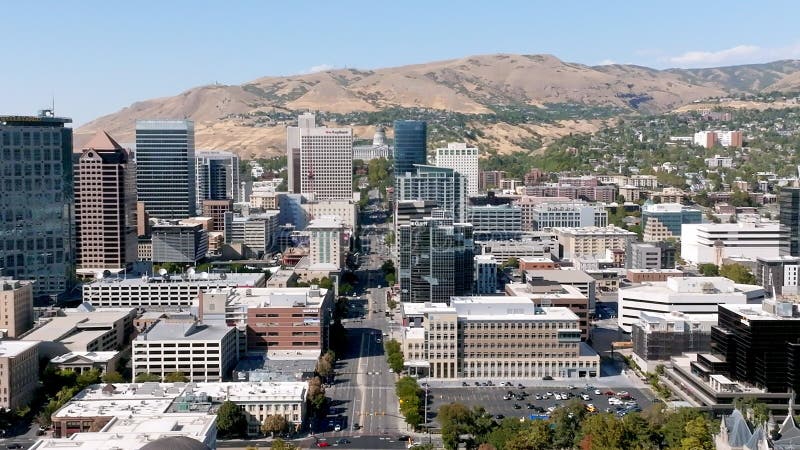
<point>507,308</point>
<point>277,297</point>
<point>185,330</point>
<point>200,279</point>
<point>83,322</point>
<point>757,312</point>
<point>10,349</point>
<point>560,276</point>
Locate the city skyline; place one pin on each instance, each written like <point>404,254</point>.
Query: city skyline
<point>243,42</point>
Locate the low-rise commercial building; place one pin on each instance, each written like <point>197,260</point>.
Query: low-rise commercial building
<point>586,284</point>
<point>159,291</point>
<point>691,296</point>
<point>488,220</point>
<point>203,351</point>
<point>504,250</point>
<point>590,241</point>
<point>638,276</point>
<point>496,337</point>
<point>713,242</point>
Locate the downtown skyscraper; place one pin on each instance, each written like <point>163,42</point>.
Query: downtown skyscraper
<point>326,163</point>
<point>165,168</point>
<point>36,194</point>
<point>217,176</point>
<point>410,145</point>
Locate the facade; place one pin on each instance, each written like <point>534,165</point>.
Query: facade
<point>485,275</point>
<point>545,216</point>
<point>217,175</point>
<point>410,145</point>
<point>83,329</point>
<point>203,351</point>
<point>36,201</point>
<point>724,138</point>
<point>600,193</point>
<point>294,321</point>
<point>462,159</point>
<point>105,207</point>
<point>178,242</point>
<point>258,232</point>
<point>165,168</point>
<point>591,241</point>
<point>345,210</point>
<point>778,276</point>
<point>493,220</point>
<point>504,250</point>
<point>19,377</point>
<point>16,307</point>
<point>658,337</point>
<point>496,338</point>
<point>690,296</point>
<point>406,210</point>
<point>714,242</point>
<point>83,361</point>
<point>328,243</point>
<point>662,221</point>
<point>719,161</point>
<point>547,294</point>
<point>444,186</point>
<point>789,213</point>
<point>163,291</point>
<point>326,163</point>
<point>216,209</point>
<point>645,256</point>
<point>637,276</point>
<point>304,121</point>
<point>435,259</point>
<point>490,179</point>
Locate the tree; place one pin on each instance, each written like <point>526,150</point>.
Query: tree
<point>316,394</point>
<point>326,363</point>
<point>511,262</point>
<point>145,377</point>
<point>638,433</point>
<point>708,269</point>
<point>280,444</point>
<point>113,377</point>
<point>673,428</point>
<point>538,436</point>
<point>274,423</point>
<point>325,283</point>
<point>601,432</point>
<point>231,420</point>
<point>567,421</point>
<point>88,378</point>
<point>698,435</point>
<point>345,289</point>
<point>390,279</point>
<point>175,377</point>
<point>739,273</point>
<point>388,266</point>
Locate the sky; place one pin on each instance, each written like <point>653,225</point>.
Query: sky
<point>95,57</point>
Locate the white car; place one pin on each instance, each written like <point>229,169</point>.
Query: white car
<point>337,427</point>
<point>597,392</point>
<point>585,397</point>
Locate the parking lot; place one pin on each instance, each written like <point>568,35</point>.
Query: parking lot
<point>535,400</point>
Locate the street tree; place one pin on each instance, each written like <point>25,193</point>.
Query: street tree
<point>274,423</point>
<point>231,420</point>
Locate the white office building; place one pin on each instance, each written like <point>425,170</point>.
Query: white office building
<point>327,242</point>
<point>163,291</point>
<point>326,163</point>
<point>545,216</point>
<point>203,351</point>
<point>691,296</point>
<point>462,159</point>
<point>714,242</point>
<point>257,231</point>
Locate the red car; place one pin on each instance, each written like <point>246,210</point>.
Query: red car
<point>322,444</point>
<point>610,393</point>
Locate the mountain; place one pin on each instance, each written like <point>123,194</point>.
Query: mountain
<point>515,101</point>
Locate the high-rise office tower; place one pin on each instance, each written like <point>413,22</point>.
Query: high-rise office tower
<point>217,176</point>
<point>789,203</point>
<point>165,167</point>
<point>435,259</point>
<point>410,145</point>
<point>36,192</point>
<point>462,159</point>
<point>444,186</point>
<point>304,121</point>
<point>326,163</point>
<point>105,207</point>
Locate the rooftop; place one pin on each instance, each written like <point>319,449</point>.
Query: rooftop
<point>506,308</point>
<point>325,222</point>
<point>595,231</point>
<point>76,322</point>
<point>768,310</point>
<point>560,276</point>
<point>91,356</point>
<point>202,278</point>
<point>10,349</point>
<point>186,330</point>
<point>305,297</point>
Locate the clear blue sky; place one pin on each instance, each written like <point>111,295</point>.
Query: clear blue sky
<point>96,57</point>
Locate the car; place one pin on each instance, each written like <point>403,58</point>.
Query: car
<point>506,397</point>
<point>14,445</point>
<point>585,397</point>
<point>548,394</point>
<point>597,392</point>
<point>609,393</point>
<point>404,438</point>
<point>321,444</point>
<point>538,397</point>
<point>464,384</point>
<point>499,417</point>
<point>516,406</point>
<point>529,406</point>
<point>547,378</point>
<point>477,383</point>
<point>337,427</point>
<point>571,387</point>
<point>521,386</point>
<point>356,426</point>
<point>343,441</point>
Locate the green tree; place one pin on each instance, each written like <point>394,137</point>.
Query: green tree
<point>88,378</point>
<point>345,289</point>
<point>698,435</point>
<point>325,283</point>
<point>739,273</point>
<point>274,423</point>
<point>316,394</point>
<point>388,266</point>
<point>638,433</point>
<point>113,377</point>
<point>389,239</point>
<point>600,432</point>
<point>231,421</point>
<point>280,444</point>
<point>536,436</point>
<point>175,377</point>
<point>708,269</point>
<point>673,428</point>
<point>567,422</point>
<point>145,377</point>
<point>511,262</point>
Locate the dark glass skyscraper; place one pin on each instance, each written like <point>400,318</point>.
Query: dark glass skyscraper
<point>410,145</point>
<point>165,167</point>
<point>789,202</point>
<point>37,241</point>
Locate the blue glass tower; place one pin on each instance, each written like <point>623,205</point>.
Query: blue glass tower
<point>410,145</point>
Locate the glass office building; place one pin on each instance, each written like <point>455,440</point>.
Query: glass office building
<point>446,187</point>
<point>217,176</point>
<point>165,168</point>
<point>37,240</point>
<point>410,145</point>
<point>789,202</point>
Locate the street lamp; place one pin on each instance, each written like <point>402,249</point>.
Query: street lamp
<point>427,428</point>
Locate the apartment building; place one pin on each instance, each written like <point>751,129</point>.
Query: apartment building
<point>163,291</point>
<point>16,307</point>
<point>203,351</point>
<point>19,373</point>
<point>691,296</point>
<point>462,159</point>
<point>591,241</point>
<point>545,216</point>
<point>444,186</point>
<point>496,338</point>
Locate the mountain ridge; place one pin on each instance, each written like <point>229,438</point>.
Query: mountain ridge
<point>232,116</point>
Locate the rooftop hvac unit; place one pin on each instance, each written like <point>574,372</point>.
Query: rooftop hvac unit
<point>783,309</point>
